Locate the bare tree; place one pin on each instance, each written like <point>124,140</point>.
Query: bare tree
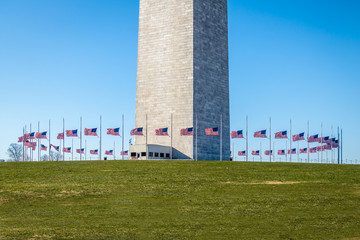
<point>55,156</point>
<point>15,152</point>
<point>44,157</point>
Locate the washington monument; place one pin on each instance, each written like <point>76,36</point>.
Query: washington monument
<point>183,78</point>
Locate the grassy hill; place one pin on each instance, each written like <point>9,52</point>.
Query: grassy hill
<point>178,200</point>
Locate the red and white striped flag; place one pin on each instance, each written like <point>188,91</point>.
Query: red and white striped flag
<point>242,153</point>
<point>90,131</point>
<point>260,134</point>
<point>41,135</point>
<point>212,131</point>
<point>281,135</point>
<point>237,134</point>
<point>298,137</point>
<point>161,132</point>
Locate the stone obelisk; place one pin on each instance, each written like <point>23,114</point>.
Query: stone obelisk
<point>183,75</point>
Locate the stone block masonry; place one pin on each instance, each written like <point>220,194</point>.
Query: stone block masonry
<point>183,71</point>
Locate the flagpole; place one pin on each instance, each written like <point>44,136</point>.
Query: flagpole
<point>31,152</point>
<point>196,138</point>
<point>85,150</point>
<point>60,149</point>
<point>63,138</point>
<point>321,142</point>
<point>171,138</point>
<point>122,144</point>
<point>72,149</point>
<point>270,138</point>
<point>260,153</point>
<point>23,152</point>
<point>49,138</point>
<point>286,151</point>
<point>298,151</point>
<point>80,136</point>
<point>338,149</point>
<point>100,141</point>
<point>308,146</point>
<point>247,137</point>
<point>146,139</point>
<point>39,142</point>
<point>341,142</point>
<point>332,134</point>
<point>25,159</point>
<point>220,137</point>
<point>290,142</point>
<point>114,150</point>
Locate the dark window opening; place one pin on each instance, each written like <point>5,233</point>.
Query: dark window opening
<point>143,154</point>
<point>133,154</point>
<point>168,155</point>
<point>161,155</point>
<point>156,154</point>
<point>151,154</point>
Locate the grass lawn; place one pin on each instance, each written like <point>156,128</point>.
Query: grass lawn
<point>178,200</point>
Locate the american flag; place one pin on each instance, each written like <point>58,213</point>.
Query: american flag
<point>27,143</point>
<point>26,137</point>
<point>292,151</point>
<point>94,152</point>
<point>281,135</point>
<point>41,135</point>
<point>212,131</point>
<point>43,147</point>
<point>242,153</point>
<point>237,134</point>
<point>124,153</point>
<point>21,139</point>
<point>312,150</point>
<point>32,135</point>
<point>55,147</point>
<point>187,132</point>
<point>60,136</point>
<point>161,132</point>
<point>281,152</point>
<point>335,144</point>
<point>313,138</point>
<point>260,134</point>
<point>80,150</point>
<point>298,137</point>
<point>71,133</point>
<point>113,131</point>
<point>330,140</point>
<point>33,146</point>
<point>323,139</point>
<point>90,132</point>
<point>67,149</point>
<point>255,153</point>
<point>110,152</point>
<point>137,131</point>
<point>268,152</point>
<point>326,147</point>
<point>319,149</point>
<point>303,150</point>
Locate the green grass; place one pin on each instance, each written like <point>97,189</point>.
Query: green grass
<point>178,200</point>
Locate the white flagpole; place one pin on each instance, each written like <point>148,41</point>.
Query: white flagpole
<point>60,150</point>
<point>196,138</point>
<point>63,138</point>
<point>146,139</point>
<point>39,142</point>
<point>298,151</point>
<point>308,146</point>
<point>338,148</point>
<point>85,150</point>
<point>72,149</point>
<point>341,143</point>
<point>247,140</point>
<point>221,137</point>
<point>114,150</point>
<point>321,142</point>
<point>49,138</point>
<point>122,144</point>
<point>290,142</point>
<point>171,138</point>
<point>286,151</point>
<point>332,135</point>
<point>260,153</point>
<point>31,152</point>
<point>80,136</point>
<point>23,152</point>
<point>100,141</point>
<point>270,138</point>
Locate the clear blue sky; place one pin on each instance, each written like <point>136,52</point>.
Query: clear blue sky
<point>288,59</point>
